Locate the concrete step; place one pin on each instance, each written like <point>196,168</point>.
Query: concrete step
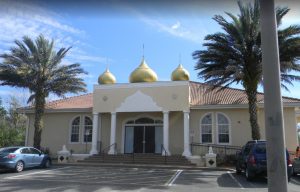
<point>144,163</point>
<point>138,159</point>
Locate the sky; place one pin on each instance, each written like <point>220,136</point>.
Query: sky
<point>111,34</point>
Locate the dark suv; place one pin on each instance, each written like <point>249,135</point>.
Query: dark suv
<point>253,160</point>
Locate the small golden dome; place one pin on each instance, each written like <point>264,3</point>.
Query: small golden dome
<point>180,74</point>
<point>106,78</point>
<point>143,74</point>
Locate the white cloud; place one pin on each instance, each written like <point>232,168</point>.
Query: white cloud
<point>89,58</point>
<point>189,32</point>
<point>176,25</point>
<point>19,18</point>
<point>30,12</point>
<point>176,30</point>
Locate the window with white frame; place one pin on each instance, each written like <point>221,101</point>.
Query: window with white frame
<point>206,129</point>
<point>75,130</point>
<point>88,129</point>
<point>223,128</point>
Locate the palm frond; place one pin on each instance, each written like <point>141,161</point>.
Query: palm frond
<point>34,64</point>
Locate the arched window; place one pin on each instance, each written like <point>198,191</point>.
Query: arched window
<point>206,129</point>
<point>75,130</point>
<point>144,120</point>
<point>88,129</point>
<point>223,128</point>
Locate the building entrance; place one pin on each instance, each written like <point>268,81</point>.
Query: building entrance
<point>143,138</point>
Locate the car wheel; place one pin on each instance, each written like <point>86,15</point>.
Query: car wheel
<point>249,174</point>
<point>47,163</point>
<point>238,169</point>
<point>19,166</point>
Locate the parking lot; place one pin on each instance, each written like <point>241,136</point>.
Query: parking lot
<point>79,178</point>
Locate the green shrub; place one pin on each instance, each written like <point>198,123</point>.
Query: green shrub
<point>11,136</point>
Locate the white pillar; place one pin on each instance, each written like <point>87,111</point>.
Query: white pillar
<point>186,134</point>
<point>166,133</point>
<point>276,156</point>
<point>112,133</point>
<point>94,149</point>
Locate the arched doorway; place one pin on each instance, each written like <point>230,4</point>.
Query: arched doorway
<point>143,135</point>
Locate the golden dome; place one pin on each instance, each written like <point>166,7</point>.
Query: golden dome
<point>143,74</point>
<point>180,74</point>
<point>106,78</point>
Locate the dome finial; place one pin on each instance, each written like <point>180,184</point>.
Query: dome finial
<point>143,73</point>
<point>180,74</point>
<point>143,52</point>
<point>107,77</point>
<point>107,65</point>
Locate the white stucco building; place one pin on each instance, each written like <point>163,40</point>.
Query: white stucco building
<point>145,114</point>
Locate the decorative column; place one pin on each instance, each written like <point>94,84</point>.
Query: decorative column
<point>166,133</point>
<point>94,149</point>
<point>186,132</point>
<point>112,150</point>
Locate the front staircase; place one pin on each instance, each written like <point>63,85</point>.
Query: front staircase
<point>138,159</point>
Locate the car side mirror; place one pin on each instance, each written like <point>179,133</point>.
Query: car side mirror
<point>40,153</point>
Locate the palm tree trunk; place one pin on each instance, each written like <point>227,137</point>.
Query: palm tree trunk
<point>38,121</point>
<point>255,131</point>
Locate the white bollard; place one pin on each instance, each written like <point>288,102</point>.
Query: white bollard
<point>210,158</point>
<point>63,155</point>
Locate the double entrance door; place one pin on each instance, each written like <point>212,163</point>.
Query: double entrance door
<point>143,139</point>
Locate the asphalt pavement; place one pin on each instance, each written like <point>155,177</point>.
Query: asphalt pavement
<point>141,179</point>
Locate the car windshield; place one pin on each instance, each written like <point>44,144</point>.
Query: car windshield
<point>8,150</point>
<point>260,148</point>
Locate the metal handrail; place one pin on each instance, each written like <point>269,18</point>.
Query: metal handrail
<point>217,146</point>
<point>166,153</point>
<point>133,153</point>
<point>108,147</point>
<point>99,144</point>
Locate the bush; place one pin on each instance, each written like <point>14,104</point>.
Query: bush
<point>11,136</point>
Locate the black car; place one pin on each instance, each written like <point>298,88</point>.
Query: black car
<point>253,160</point>
<point>296,166</point>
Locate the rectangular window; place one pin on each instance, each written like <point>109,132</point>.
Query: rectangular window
<point>88,133</point>
<point>206,129</point>
<point>223,133</point>
<point>223,138</point>
<point>206,138</point>
<point>206,133</point>
<point>75,134</point>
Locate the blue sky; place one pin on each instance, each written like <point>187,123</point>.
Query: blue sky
<point>112,33</point>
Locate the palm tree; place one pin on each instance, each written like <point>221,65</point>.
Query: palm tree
<point>235,56</point>
<point>34,64</point>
